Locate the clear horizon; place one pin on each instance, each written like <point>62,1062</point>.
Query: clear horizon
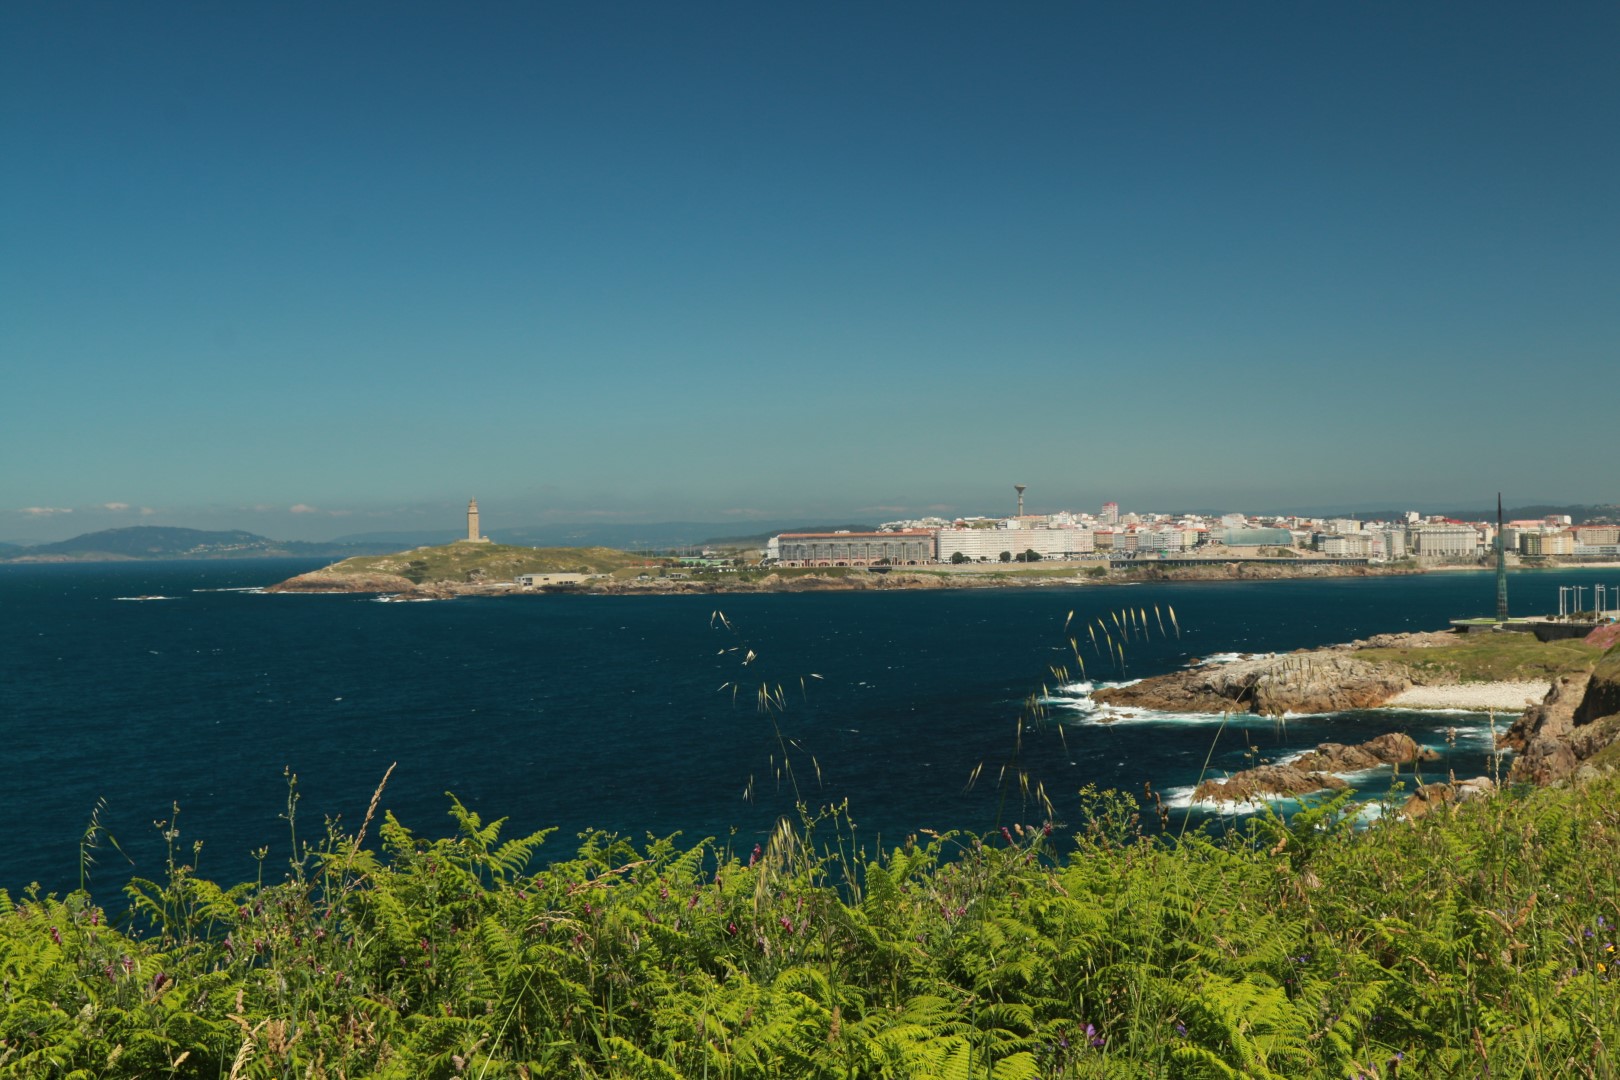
<point>308,271</point>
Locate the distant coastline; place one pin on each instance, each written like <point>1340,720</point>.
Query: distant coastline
<point>466,573</point>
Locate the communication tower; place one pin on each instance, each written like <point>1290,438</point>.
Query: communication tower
<point>1501,565</point>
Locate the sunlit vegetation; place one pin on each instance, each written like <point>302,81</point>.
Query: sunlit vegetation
<point>1474,942</point>
<point>470,562</point>
<point>1494,657</point>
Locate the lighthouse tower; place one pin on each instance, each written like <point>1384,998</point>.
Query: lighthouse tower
<point>472,524</point>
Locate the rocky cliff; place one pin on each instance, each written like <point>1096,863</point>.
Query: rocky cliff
<point>1576,725</point>
<point>1315,682</point>
<point>322,581</point>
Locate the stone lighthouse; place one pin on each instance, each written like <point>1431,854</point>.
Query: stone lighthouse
<point>472,524</point>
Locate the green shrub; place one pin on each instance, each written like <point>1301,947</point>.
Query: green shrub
<point>1474,941</point>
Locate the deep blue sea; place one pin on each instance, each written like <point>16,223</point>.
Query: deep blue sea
<point>618,712</point>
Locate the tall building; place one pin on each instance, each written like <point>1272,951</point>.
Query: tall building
<point>1110,513</point>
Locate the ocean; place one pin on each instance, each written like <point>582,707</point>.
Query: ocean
<point>637,715</point>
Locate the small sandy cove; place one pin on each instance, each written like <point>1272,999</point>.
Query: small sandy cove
<point>1500,696</point>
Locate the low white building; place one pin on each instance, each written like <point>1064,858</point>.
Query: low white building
<point>534,581</point>
<point>986,545</point>
<point>903,547</point>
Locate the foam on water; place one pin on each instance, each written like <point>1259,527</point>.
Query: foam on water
<point>1228,658</point>
<point>146,598</point>
<point>1075,698</point>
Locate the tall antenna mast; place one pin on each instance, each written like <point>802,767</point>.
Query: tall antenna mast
<point>1501,565</point>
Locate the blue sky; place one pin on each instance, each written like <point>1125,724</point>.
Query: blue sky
<point>740,261</point>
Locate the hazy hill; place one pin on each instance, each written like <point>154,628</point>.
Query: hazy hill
<point>166,542</point>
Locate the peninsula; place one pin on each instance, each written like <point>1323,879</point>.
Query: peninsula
<point>485,569</point>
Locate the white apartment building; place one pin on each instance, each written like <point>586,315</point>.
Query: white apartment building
<point>1162,539</point>
<point>1347,544</point>
<point>1548,543</point>
<point>1443,541</point>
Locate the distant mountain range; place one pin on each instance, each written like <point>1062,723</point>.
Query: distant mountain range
<point>160,542</point>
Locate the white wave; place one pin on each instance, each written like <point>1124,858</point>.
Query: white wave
<point>1228,658</point>
<point>146,598</point>
<point>1181,798</point>
<point>1091,712</point>
<point>236,588</point>
<point>1075,699</point>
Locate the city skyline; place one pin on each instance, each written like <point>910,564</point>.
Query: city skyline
<point>50,525</point>
<point>308,271</point>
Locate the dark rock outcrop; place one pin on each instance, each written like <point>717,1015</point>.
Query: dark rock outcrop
<point>1266,782</point>
<point>1395,748</point>
<point>1575,723</point>
<point>1603,692</point>
<point>1432,797</point>
<point>1313,771</point>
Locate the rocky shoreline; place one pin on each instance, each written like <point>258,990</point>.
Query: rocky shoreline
<point>1316,770</point>
<point>325,580</point>
<point>1566,730</point>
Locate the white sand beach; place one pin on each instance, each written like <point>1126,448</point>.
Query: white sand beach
<point>1501,696</point>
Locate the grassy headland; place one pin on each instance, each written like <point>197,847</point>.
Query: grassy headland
<point>1504,657</point>
<point>453,565</point>
<point>469,562</point>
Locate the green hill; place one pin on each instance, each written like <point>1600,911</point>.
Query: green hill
<point>462,562</point>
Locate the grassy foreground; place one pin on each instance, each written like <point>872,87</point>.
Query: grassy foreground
<point>1473,943</point>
